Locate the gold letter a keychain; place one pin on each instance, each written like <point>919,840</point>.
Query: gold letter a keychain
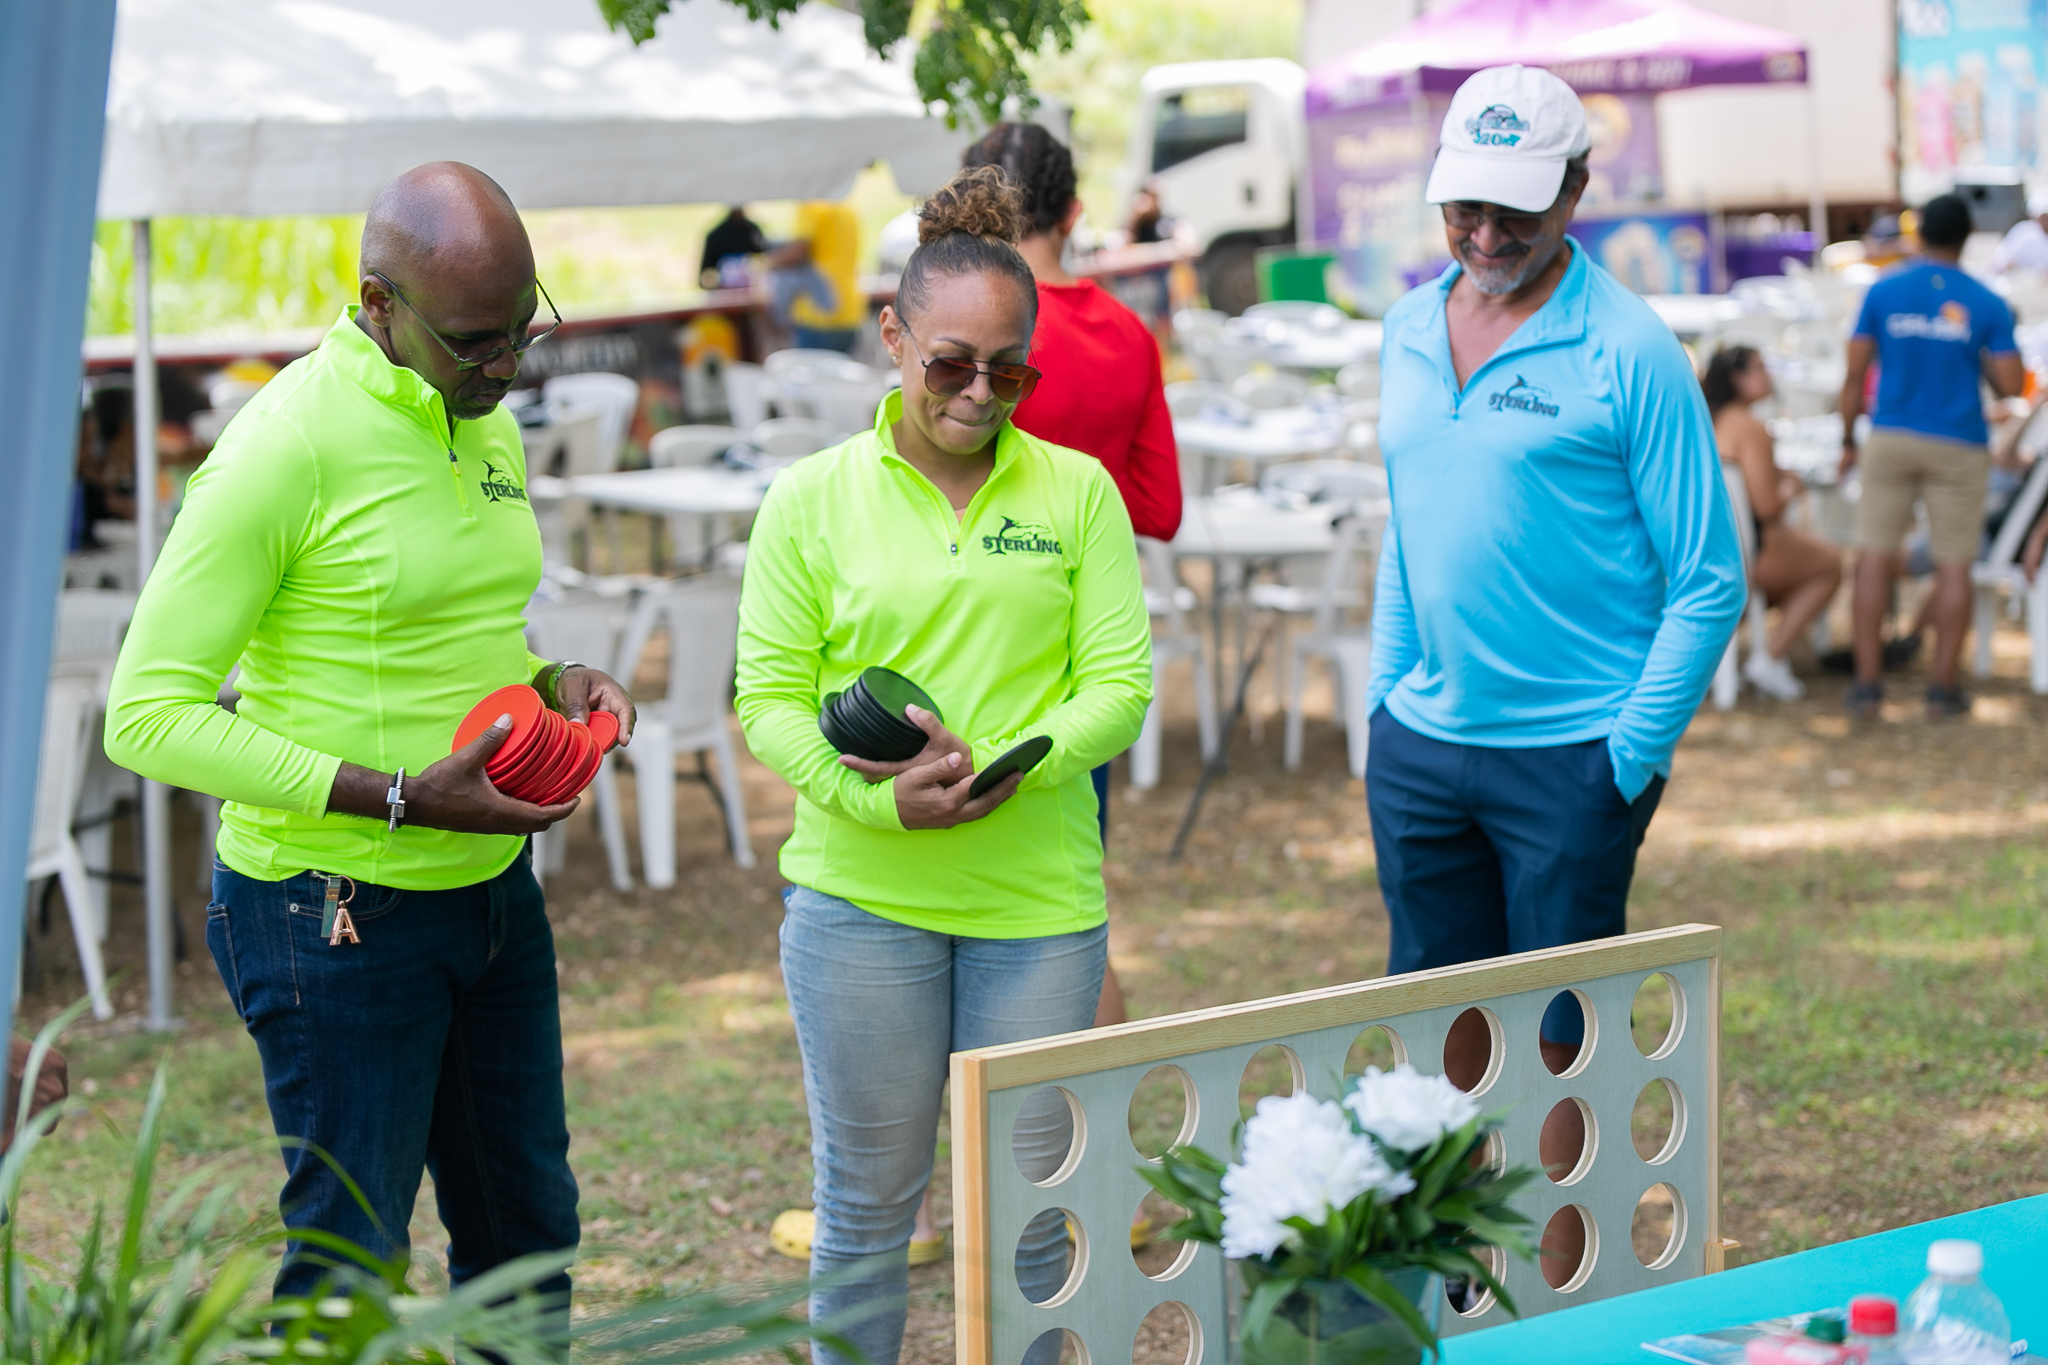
<point>334,917</point>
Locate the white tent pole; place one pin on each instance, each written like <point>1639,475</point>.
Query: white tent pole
<point>1816,188</point>
<point>156,798</point>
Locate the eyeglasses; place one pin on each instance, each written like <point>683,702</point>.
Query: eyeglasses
<point>516,349</point>
<point>949,375</point>
<point>1466,216</point>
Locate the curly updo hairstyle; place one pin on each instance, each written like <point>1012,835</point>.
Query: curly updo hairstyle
<point>969,227</point>
<point>1037,164</point>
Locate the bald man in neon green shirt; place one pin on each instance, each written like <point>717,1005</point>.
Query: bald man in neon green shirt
<point>360,542</point>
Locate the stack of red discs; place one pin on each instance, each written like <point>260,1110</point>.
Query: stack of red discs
<point>547,758</point>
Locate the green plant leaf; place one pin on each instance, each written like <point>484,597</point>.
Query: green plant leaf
<point>1381,1291</point>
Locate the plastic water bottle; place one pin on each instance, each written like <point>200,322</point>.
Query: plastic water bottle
<point>1874,1326</point>
<point>1952,1319</point>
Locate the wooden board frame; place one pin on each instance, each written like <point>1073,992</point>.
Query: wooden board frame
<point>1098,1068</point>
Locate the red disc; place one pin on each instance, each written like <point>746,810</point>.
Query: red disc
<point>518,700</point>
<point>516,776</point>
<point>562,756</point>
<point>581,769</point>
<point>533,775</point>
<point>604,728</point>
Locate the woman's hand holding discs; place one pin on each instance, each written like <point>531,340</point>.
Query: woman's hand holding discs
<point>582,690</point>
<point>934,795</point>
<point>938,742</point>
<point>453,794</point>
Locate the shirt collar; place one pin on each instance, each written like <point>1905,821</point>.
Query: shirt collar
<point>349,349</point>
<point>1561,319</point>
<point>890,412</point>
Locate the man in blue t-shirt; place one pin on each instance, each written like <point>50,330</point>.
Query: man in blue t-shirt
<point>1934,332</point>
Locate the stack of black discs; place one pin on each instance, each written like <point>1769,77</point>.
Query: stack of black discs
<point>867,720</point>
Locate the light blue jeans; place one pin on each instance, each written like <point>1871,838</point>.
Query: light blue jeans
<point>879,1008</point>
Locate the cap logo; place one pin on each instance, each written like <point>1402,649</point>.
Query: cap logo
<point>1496,126</point>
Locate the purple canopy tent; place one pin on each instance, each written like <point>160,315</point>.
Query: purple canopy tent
<point>1373,115</point>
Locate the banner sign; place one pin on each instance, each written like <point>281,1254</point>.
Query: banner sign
<point>1970,75</point>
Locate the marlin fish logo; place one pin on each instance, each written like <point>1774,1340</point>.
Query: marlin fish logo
<point>1021,538</point>
<point>1522,396</point>
<point>1496,126</point>
<point>496,485</point>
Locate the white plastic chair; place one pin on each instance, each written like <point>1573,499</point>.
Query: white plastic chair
<point>70,712</point>
<point>701,616</point>
<point>2000,569</point>
<point>1728,676</point>
<point>1168,603</point>
<point>1310,316</point>
<point>746,394</point>
<point>1270,389</point>
<point>1360,379</point>
<point>90,627</point>
<point>586,627</point>
<point>616,399</point>
<point>91,623</point>
<point>792,438</point>
<point>680,447</point>
<point>581,440</point>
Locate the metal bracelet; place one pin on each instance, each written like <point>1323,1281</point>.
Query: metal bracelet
<point>395,798</point>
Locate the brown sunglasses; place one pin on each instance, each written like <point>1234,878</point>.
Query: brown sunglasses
<point>948,375</point>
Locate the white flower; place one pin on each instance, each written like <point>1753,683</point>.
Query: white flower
<point>1302,1158</point>
<point>1407,1110</point>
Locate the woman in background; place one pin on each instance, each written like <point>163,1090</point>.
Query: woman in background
<point>1796,570</point>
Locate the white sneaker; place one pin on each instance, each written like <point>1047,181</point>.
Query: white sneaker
<point>1773,678</point>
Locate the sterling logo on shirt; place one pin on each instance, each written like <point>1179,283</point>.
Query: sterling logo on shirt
<point>1496,126</point>
<point>1522,396</point>
<point>1951,323</point>
<point>1021,538</point>
<point>496,486</point>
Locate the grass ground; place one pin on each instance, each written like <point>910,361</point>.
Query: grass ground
<point>1883,1023</point>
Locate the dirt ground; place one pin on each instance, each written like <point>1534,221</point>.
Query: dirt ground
<point>1882,1031</point>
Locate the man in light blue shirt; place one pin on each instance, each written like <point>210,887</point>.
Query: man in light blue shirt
<point>1557,583</point>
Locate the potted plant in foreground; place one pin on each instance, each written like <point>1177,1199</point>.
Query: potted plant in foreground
<point>1344,1217</point>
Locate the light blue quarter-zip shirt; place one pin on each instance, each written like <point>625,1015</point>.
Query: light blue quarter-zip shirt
<point>1561,564</point>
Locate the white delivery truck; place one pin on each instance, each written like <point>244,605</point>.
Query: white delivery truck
<point>1225,147</point>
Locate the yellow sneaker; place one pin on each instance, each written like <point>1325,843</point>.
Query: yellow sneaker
<point>791,1232</point>
<point>1141,1233</point>
<point>925,1253</point>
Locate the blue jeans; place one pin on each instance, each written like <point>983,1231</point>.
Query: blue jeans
<point>1489,851</point>
<point>879,1008</point>
<point>435,1043</point>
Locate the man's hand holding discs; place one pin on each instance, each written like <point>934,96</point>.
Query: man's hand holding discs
<point>931,788</point>
<point>580,691</point>
<point>454,794</point>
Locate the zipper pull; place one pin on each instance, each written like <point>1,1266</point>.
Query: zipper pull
<point>954,548</point>
<point>455,472</point>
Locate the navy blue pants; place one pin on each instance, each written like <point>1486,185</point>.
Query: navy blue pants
<point>1484,852</point>
<point>433,1044</point>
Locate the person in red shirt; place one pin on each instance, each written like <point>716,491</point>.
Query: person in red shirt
<point>1102,393</point>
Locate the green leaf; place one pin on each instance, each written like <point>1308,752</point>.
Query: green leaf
<point>1381,1291</point>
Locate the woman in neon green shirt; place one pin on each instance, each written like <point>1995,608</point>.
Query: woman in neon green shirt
<point>999,572</point>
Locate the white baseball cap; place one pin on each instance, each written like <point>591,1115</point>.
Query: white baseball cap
<point>1506,140</point>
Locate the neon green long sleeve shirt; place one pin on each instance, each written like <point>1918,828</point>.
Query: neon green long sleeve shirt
<point>369,575</point>
<point>1023,616</point>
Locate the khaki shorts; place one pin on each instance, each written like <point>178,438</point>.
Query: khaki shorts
<point>1901,468</point>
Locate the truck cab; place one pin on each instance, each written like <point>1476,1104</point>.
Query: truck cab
<point>1225,146</point>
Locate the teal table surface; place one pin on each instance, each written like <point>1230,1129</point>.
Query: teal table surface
<point>1612,1331</point>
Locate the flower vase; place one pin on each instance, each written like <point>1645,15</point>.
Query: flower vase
<point>1331,1322</point>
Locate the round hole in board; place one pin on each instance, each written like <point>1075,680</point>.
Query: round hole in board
<point>1273,1070</point>
<point>1657,1122</point>
<point>1052,1257</point>
<point>1170,1334</point>
<point>1378,1046</point>
<point>1656,1019</point>
<point>1471,1298</point>
<point>1473,1050</point>
<point>1569,1015</point>
<point>1569,1141</point>
<point>1164,1110</point>
<point>1159,1257</point>
<point>1571,1229</point>
<point>1658,1228</point>
<point>1056,1347</point>
<point>1048,1135</point>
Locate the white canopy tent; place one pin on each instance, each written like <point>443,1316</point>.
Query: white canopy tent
<point>263,107</point>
